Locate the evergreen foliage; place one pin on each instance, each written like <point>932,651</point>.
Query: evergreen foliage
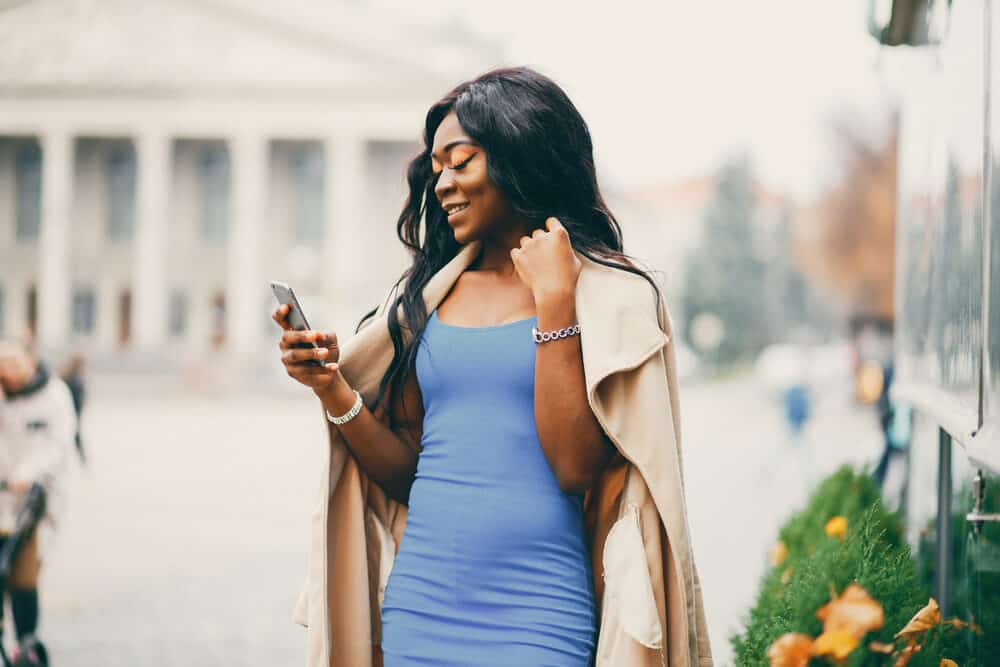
<point>817,567</point>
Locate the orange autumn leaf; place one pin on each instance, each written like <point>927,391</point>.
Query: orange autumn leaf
<point>854,611</point>
<point>837,527</point>
<point>791,649</point>
<point>945,662</point>
<point>779,552</point>
<point>837,643</point>
<point>922,621</point>
<point>786,576</point>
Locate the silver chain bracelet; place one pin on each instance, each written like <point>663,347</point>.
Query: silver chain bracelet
<point>546,336</point>
<point>351,414</point>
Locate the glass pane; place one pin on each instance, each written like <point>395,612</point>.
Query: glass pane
<point>84,310</point>
<point>214,167</point>
<point>178,314</point>
<point>121,191</point>
<point>309,166</point>
<point>28,177</point>
<point>939,233</point>
<point>991,399</point>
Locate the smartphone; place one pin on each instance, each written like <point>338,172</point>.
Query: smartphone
<point>296,318</point>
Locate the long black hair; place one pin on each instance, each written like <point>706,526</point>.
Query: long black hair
<point>538,152</point>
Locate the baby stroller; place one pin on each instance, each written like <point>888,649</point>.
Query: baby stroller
<point>32,653</point>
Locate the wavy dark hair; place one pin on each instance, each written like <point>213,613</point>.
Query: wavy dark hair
<point>539,153</point>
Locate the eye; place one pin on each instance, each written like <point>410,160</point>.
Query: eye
<point>461,156</point>
<point>458,158</point>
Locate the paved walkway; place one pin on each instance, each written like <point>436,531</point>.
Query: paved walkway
<point>185,543</point>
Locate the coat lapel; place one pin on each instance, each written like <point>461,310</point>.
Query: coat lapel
<point>618,326</point>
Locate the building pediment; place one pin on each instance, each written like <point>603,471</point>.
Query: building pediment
<point>223,47</point>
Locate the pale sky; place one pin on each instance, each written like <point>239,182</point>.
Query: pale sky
<point>670,88</point>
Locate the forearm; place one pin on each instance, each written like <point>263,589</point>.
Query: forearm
<point>571,437</point>
<point>385,456</point>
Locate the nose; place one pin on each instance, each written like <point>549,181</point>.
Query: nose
<point>445,184</point>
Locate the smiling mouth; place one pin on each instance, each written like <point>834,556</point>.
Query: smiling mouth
<point>456,209</point>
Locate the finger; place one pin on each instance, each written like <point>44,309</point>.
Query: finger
<point>328,340</point>
<point>292,337</point>
<point>537,233</point>
<point>553,224</point>
<point>281,317</point>
<point>296,355</point>
<point>316,372</point>
<point>523,240</point>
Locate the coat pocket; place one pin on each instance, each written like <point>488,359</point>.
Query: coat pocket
<point>628,589</point>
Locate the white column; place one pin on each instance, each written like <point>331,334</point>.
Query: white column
<point>149,267</point>
<point>54,275</point>
<point>344,253</point>
<point>246,289</point>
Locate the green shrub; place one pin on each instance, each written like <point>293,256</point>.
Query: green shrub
<point>873,555</point>
<point>845,493</point>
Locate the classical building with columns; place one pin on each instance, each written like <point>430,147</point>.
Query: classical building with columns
<point>161,162</point>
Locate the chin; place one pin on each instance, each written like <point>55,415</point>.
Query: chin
<point>463,234</point>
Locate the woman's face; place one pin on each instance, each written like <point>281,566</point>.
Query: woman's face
<point>475,206</point>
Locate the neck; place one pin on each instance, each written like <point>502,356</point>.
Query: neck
<point>494,256</point>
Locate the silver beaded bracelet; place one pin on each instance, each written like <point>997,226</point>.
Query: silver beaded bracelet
<point>546,336</point>
<point>350,414</point>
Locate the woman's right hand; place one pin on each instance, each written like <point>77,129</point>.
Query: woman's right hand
<point>321,379</point>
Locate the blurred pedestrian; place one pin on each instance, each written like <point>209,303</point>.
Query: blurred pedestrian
<point>73,375</point>
<point>37,423</point>
<point>797,409</point>
<point>896,422</point>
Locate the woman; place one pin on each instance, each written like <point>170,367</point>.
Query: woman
<point>481,438</point>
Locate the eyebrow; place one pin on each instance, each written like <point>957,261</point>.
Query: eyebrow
<point>452,144</point>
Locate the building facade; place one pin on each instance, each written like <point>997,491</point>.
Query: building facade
<point>161,162</point>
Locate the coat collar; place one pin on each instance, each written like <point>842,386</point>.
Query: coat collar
<point>616,310</point>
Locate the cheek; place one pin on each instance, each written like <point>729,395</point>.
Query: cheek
<point>489,202</point>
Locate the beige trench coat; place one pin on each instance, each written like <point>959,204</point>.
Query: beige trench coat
<point>644,573</point>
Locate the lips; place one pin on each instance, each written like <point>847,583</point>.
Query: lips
<point>455,208</point>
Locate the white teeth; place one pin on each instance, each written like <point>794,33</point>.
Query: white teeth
<point>456,209</point>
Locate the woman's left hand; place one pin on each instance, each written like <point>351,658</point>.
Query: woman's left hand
<point>545,261</point>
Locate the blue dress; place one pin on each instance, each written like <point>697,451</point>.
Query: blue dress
<point>493,567</point>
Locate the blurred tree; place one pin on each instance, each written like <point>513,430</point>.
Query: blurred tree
<point>794,304</point>
<point>724,277</point>
<point>853,249</point>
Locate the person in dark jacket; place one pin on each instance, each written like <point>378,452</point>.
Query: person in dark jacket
<point>37,422</point>
<point>73,375</point>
